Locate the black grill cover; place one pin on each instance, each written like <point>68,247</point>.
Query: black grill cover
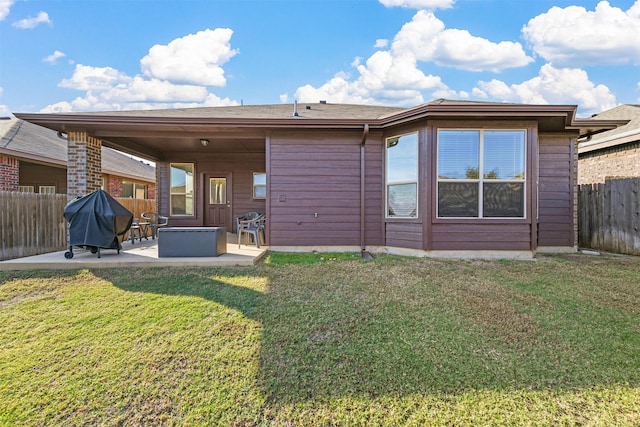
<point>97,219</point>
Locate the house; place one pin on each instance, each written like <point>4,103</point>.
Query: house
<point>446,178</point>
<point>614,153</point>
<point>34,159</point>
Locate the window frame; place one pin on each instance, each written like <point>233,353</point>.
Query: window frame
<point>254,186</point>
<point>134,187</point>
<point>186,193</point>
<point>481,180</point>
<point>48,189</point>
<point>388,183</point>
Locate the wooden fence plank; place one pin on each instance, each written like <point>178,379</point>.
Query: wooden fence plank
<point>609,217</point>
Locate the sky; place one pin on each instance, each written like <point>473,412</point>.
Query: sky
<point>103,55</point>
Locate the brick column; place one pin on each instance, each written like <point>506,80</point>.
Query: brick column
<point>9,173</point>
<point>84,164</point>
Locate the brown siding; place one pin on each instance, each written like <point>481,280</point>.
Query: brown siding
<point>315,173</point>
<point>240,165</point>
<point>374,193</point>
<point>404,235</point>
<point>37,175</point>
<point>555,191</point>
<point>163,187</point>
<point>485,236</point>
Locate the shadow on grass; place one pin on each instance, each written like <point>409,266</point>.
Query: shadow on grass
<point>331,333</point>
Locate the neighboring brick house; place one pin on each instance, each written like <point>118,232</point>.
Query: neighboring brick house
<point>34,159</point>
<point>614,153</point>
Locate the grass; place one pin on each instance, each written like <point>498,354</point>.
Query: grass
<point>325,339</point>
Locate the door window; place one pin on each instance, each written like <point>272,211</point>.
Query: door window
<point>217,191</point>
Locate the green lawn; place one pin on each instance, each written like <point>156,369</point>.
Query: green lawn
<point>325,339</point>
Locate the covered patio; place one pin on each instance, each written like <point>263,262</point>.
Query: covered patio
<point>138,255</point>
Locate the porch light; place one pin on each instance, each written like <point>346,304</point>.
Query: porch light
<point>204,142</point>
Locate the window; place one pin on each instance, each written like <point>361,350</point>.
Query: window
<point>26,189</point>
<point>134,190</point>
<point>217,191</point>
<point>259,185</point>
<point>481,173</point>
<point>181,189</point>
<point>402,176</point>
<point>47,189</point>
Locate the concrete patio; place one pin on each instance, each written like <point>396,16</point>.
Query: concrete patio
<point>140,254</point>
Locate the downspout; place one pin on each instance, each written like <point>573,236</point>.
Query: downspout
<point>363,208</point>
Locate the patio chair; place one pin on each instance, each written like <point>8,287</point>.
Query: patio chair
<point>136,231</point>
<point>246,217</point>
<point>155,221</point>
<point>252,228</point>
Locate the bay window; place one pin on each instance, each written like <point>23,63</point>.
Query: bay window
<point>481,173</point>
<point>402,176</point>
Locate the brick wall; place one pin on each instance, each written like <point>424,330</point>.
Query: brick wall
<point>113,185</point>
<point>84,164</point>
<point>151,191</point>
<point>619,161</point>
<point>9,173</point>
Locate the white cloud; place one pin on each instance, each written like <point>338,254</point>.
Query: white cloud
<point>195,58</point>
<point>91,102</point>
<point>419,4</point>
<point>88,78</point>
<point>381,43</point>
<point>426,38</point>
<point>29,23</point>
<point>5,8</point>
<point>284,98</point>
<point>552,86</point>
<point>53,58</point>
<point>107,88</point>
<point>578,37</point>
<point>394,76</point>
<point>153,91</point>
<point>384,79</point>
<point>4,110</point>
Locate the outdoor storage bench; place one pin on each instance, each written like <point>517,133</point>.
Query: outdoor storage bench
<point>192,241</point>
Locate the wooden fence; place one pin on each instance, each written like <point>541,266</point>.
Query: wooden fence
<point>32,224</point>
<point>137,206</point>
<point>609,216</point>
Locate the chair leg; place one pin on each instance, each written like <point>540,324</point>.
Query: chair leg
<point>132,233</point>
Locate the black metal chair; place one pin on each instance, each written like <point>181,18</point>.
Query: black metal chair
<point>154,221</point>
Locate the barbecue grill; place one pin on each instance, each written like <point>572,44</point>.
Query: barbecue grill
<point>96,221</point>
